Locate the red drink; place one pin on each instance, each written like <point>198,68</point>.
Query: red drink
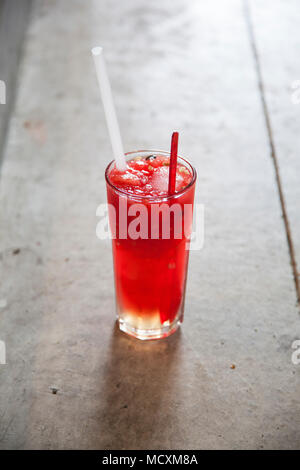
<point>150,262</point>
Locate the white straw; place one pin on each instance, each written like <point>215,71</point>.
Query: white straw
<point>109,109</point>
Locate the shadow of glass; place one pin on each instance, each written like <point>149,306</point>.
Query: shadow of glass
<point>138,381</point>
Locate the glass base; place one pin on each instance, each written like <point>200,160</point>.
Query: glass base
<point>157,333</point>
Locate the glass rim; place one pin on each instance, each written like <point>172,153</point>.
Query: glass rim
<point>151,198</point>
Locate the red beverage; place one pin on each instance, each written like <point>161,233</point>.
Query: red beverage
<point>150,248</point>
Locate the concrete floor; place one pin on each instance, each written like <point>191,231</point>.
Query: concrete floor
<point>189,66</point>
<point>13,22</point>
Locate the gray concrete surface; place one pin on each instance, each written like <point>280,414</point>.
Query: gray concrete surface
<point>278,39</point>
<point>174,65</point>
<point>14,16</point>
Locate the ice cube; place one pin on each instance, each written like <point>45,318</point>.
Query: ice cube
<point>127,178</point>
<point>160,180</point>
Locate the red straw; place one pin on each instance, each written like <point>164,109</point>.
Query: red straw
<point>173,163</point>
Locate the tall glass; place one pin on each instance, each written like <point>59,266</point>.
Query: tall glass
<point>151,270</point>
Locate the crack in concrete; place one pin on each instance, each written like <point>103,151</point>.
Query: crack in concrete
<point>261,88</point>
<point>3,436</point>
